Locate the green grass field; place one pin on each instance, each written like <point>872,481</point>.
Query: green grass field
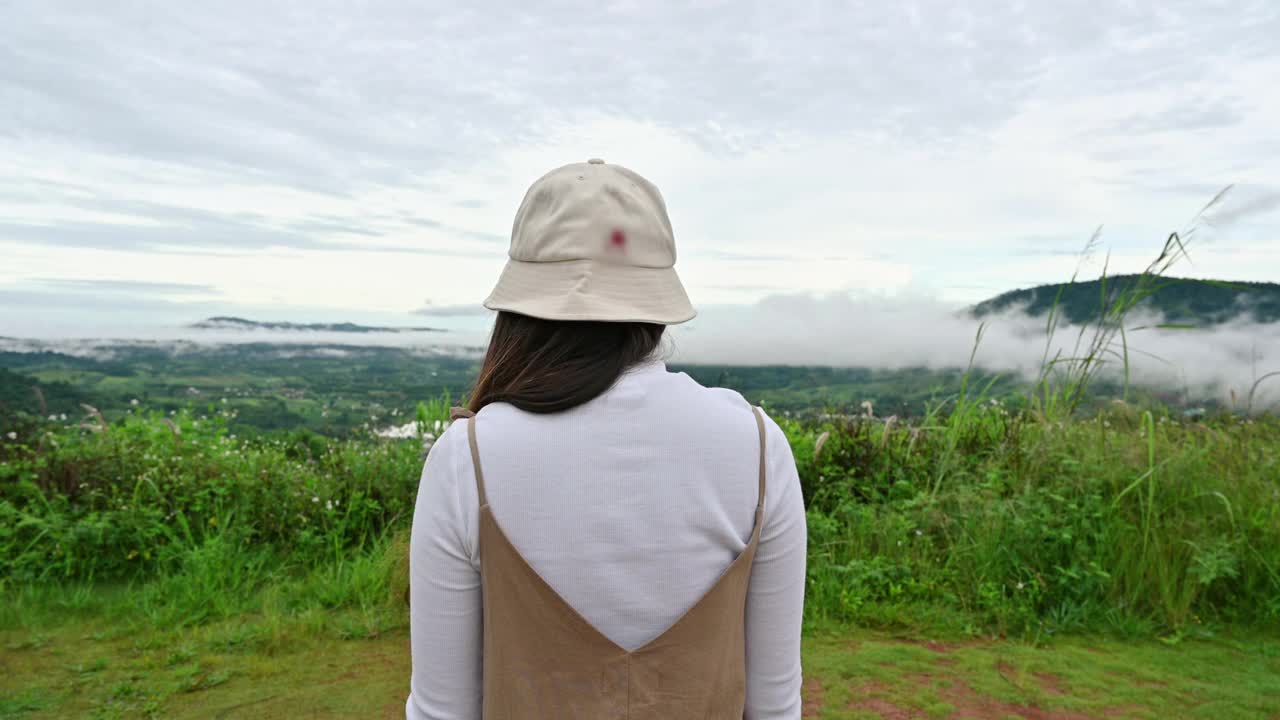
<point>249,667</point>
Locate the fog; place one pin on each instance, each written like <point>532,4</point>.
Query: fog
<point>896,333</point>
<point>286,343</point>
<point>834,330</point>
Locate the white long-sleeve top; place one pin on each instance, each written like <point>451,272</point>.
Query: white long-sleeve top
<point>630,506</point>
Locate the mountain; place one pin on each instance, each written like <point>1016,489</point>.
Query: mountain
<point>1177,300</point>
<point>235,323</point>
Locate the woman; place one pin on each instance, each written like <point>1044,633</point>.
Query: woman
<point>597,537</point>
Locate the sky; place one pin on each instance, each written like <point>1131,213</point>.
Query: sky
<point>322,161</point>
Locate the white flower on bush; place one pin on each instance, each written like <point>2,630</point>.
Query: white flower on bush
<point>328,504</point>
<point>12,435</point>
<point>315,499</point>
<point>1020,586</point>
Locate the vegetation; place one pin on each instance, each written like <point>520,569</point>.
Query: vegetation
<point>265,668</point>
<point>341,391</point>
<point>329,389</point>
<point>204,555</point>
<point>22,395</point>
<point>338,390</point>
<point>1129,522</point>
<point>986,521</point>
<point>198,561</point>
<point>1179,300</point>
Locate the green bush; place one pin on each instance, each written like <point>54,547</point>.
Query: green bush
<point>980,519</point>
<point>1126,522</point>
<point>142,495</point>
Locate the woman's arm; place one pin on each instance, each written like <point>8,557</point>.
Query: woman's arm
<point>775,597</point>
<point>445,614</point>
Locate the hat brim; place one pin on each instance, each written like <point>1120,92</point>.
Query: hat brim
<point>591,290</point>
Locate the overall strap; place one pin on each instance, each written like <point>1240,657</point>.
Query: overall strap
<point>459,414</point>
<point>763,463</point>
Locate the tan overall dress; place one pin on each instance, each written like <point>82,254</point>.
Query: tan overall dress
<point>544,660</point>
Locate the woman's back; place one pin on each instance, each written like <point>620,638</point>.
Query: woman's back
<point>630,506</point>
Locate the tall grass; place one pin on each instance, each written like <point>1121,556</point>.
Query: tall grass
<point>1129,522</point>
<point>153,492</point>
<point>1066,376</point>
<point>984,519</point>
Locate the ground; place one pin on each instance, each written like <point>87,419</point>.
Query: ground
<point>243,669</point>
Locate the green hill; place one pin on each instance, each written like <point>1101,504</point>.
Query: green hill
<point>19,392</point>
<point>1198,302</point>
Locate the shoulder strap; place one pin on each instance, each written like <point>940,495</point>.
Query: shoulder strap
<point>459,413</point>
<point>475,460</point>
<point>763,462</point>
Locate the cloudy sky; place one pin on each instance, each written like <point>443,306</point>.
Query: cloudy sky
<point>160,161</point>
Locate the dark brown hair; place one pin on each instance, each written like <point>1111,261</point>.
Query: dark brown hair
<point>545,366</point>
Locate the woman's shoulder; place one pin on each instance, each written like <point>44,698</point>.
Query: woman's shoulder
<point>721,398</point>
<point>714,397</point>
<point>724,402</point>
<point>449,446</point>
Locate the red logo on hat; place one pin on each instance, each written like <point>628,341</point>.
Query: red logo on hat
<point>618,238</point>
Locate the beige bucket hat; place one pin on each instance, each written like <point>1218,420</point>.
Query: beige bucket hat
<point>592,241</point>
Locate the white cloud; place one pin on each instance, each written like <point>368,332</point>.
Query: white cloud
<point>313,156</point>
